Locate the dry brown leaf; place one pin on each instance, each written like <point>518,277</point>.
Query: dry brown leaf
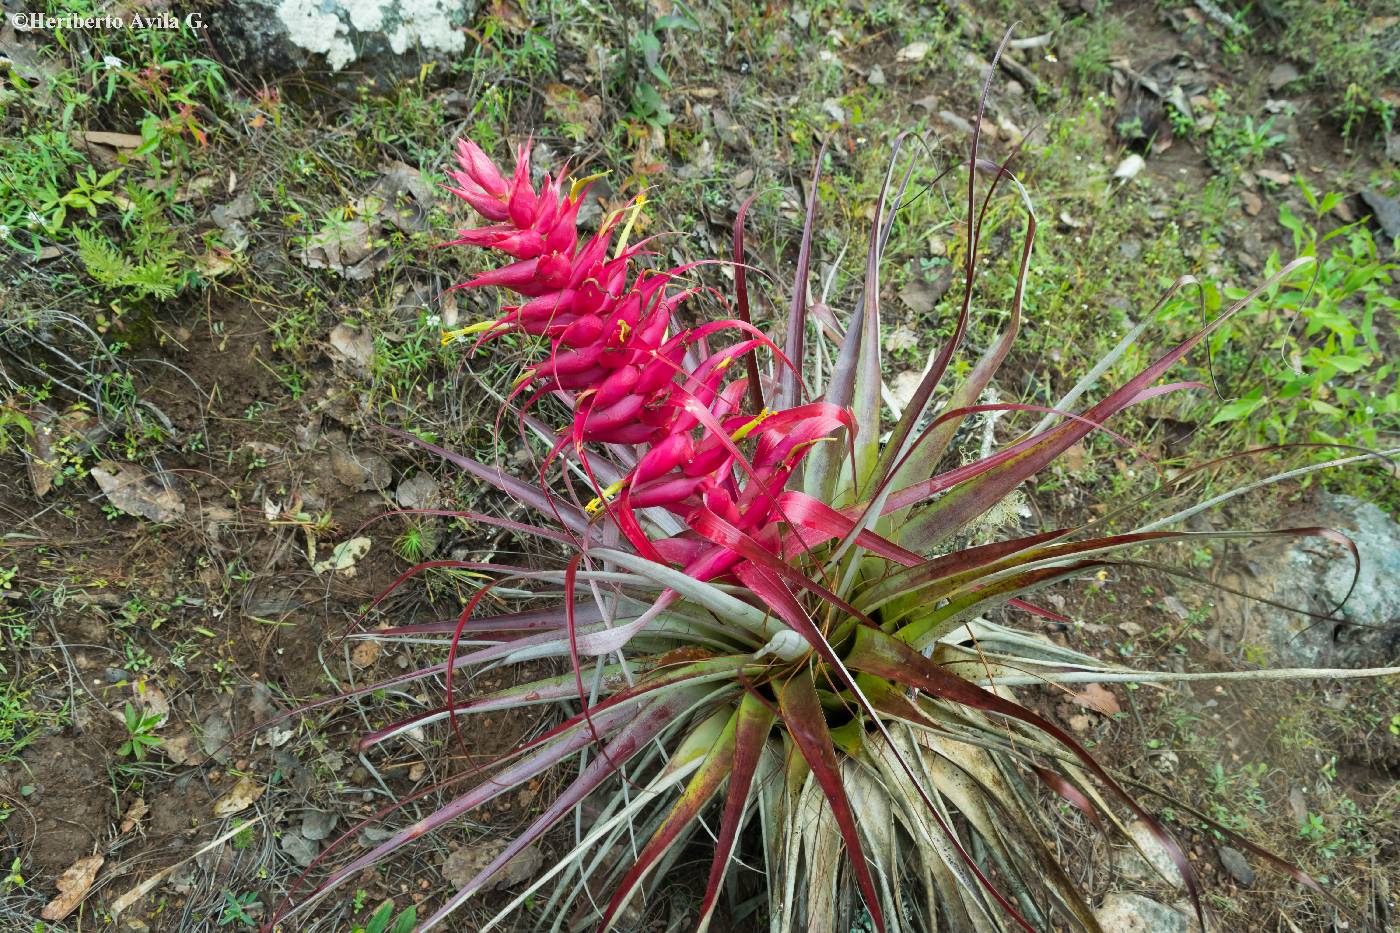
<point>1074,458</point>
<point>346,248</point>
<point>399,198</point>
<point>40,455</point>
<point>570,105</point>
<point>364,654</point>
<point>196,188</point>
<point>353,344</point>
<point>509,15</point>
<point>215,263</point>
<point>344,556</point>
<point>152,700</point>
<point>115,140</point>
<point>137,492</point>
<point>239,797</point>
<point>134,814</point>
<point>1098,698</point>
<point>73,885</point>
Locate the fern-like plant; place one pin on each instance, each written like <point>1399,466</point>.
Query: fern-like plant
<point>148,264</point>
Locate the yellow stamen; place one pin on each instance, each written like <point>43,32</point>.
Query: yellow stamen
<point>622,330</point>
<point>523,378</point>
<point>637,204</point>
<point>746,429</point>
<point>579,183</point>
<point>593,507</point>
<point>450,335</point>
<point>793,455</point>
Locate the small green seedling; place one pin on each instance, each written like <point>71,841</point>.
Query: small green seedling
<point>379,921</point>
<point>140,732</point>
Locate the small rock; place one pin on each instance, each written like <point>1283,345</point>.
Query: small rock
<point>1130,248</point>
<point>1236,865</point>
<point>1392,147</point>
<point>876,76</point>
<point>743,179</point>
<point>360,471</point>
<point>1130,167</point>
<point>1298,804</point>
<point>466,863</point>
<point>832,108</point>
<point>1133,913</point>
<point>913,52</point>
<point>1252,203</point>
<point>1131,629</point>
<point>1158,863</point>
<point>1282,75</point>
<point>1080,723</point>
<point>955,122</point>
<point>1386,212</point>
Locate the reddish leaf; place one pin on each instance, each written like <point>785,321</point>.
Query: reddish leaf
<point>806,723</point>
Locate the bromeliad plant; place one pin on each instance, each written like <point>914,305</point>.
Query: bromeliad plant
<point>775,612</point>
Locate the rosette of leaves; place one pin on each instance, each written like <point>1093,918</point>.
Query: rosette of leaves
<point>836,712</point>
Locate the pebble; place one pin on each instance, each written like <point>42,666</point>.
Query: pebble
<point>1236,865</point>
<point>1282,75</point>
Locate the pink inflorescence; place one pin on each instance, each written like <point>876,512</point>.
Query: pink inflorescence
<point>616,353</point>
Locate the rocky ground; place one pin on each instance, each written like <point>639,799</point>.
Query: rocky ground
<point>198,483</point>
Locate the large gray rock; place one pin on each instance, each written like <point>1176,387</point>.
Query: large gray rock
<point>1314,574</point>
<point>1133,913</point>
<point>380,36</point>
